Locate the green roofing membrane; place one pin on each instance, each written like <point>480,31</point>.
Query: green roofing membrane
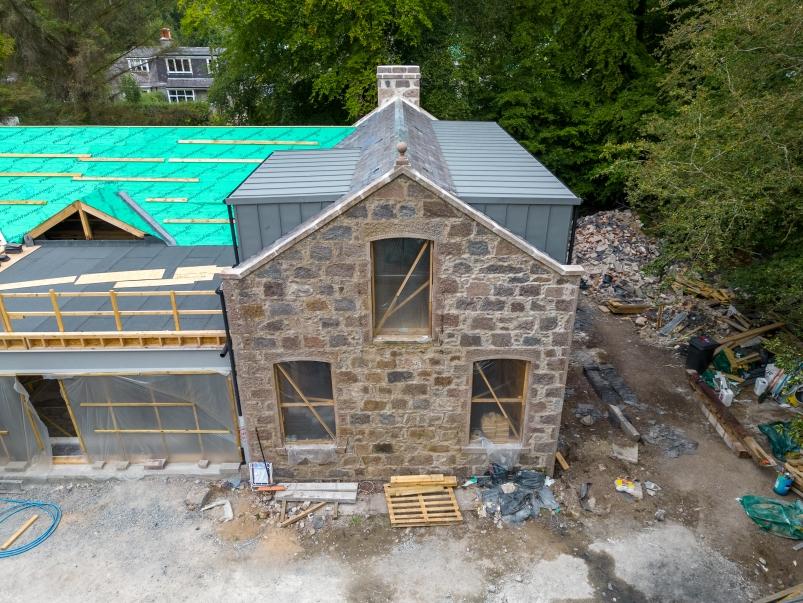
<point>205,198</point>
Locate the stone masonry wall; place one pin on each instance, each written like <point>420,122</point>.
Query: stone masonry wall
<point>401,407</point>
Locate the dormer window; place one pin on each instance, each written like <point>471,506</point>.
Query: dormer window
<point>402,287</point>
<point>138,65</point>
<point>179,66</point>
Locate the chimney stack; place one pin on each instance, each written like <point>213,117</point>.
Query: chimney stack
<point>402,81</point>
<point>165,38</point>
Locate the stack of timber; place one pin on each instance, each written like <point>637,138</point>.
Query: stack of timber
<point>795,469</point>
<point>422,500</point>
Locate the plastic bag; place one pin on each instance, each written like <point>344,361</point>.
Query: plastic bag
<point>780,439</point>
<point>774,516</point>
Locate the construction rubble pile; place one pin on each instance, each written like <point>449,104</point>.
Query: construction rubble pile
<point>615,253</point>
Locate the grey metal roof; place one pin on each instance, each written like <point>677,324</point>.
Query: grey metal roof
<point>292,176</point>
<point>74,258</point>
<point>487,165</point>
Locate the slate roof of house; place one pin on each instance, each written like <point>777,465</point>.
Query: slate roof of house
<point>118,265</point>
<point>477,161</point>
<point>144,52</point>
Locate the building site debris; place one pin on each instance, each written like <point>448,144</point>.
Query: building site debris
<point>8,486</point>
<point>775,516</point>
<point>530,495</point>
<point>422,500</point>
<point>617,307</point>
<point>652,488</point>
<point>10,507</point>
<point>626,453</point>
<point>299,516</point>
<point>618,418</point>
<point>671,440</point>
<point>629,486</point>
<point>561,461</point>
<point>155,464</point>
<point>793,594</point>
<point>228,512</point>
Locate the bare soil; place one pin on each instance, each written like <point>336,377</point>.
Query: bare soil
<point>137,541</point>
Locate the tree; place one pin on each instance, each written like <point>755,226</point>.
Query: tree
<point>720,177</point>
<point>130,89</point>
<point>288,61</point>
<point>67,46</point>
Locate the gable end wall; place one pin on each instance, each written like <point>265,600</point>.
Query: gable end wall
<point>401,407</point>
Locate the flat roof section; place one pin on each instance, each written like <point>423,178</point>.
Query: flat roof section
<point>180,176</point>
<point>98,266</point>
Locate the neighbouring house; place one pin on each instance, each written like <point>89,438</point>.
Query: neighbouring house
<point>395,296</point>
<point>181,73</point>
<point>400,328</point>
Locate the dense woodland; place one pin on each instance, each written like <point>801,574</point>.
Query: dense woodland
<point>689,112</point>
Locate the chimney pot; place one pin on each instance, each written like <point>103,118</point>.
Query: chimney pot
<point>398,81</point>
<point>165,35</point>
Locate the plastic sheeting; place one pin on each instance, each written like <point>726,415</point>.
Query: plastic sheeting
<point>506,377</point>
<point>314,380</point>
<point>19,419</point>
<point>393,259</point>
<point>155,416</point>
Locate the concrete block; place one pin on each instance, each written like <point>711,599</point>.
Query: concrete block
<point>155,464</point>
<point>16,466</point>
<point>203,463</point>
<point>229,467</point>
<point>98,465</point>
<point>122,465</point>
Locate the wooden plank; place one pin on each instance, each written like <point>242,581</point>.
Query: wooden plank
<point>302,515</point>
<point>22,202</point>
<point>13,538</point>
<point>617,307</point>
<point>306,143</point>
<point>46,155</point>
<point>128,178</point>
<point>110,219</point>
<point>91,278</point>
<point>438,478</point>
<point>59,280</point>
<point>408,490</point>
<point>85,226</point>
<point>171,431</point>
<point>73,175</point>
<point>317,496</point>
<point>123,159</point>
<point>155,282</point>
<point>166,199</point>
<point>59,216</point>
<point>561,461</point>
<point>422,508</point>
<point>749,334</point>
<point>782,594</point>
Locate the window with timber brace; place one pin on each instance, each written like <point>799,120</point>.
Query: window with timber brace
<point>498,394</point>
<point>306,403</point>
<point>402,283</point>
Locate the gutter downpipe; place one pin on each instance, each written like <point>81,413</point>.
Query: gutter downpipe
<point>233,241</point>
<point>229,349</point>
<point>570,251</point>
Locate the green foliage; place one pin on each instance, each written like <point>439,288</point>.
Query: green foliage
<point>788,356</point>
<point>65,47</point>
<point>719,177</point>
<point>130,89</point>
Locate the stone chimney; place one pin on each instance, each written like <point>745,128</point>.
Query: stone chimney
<point>165,37</point>
<point>398,81</point>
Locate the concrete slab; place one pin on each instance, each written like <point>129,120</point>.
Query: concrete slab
<point>45,472</point>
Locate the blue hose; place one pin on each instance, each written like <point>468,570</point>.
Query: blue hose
<point>21,505</point>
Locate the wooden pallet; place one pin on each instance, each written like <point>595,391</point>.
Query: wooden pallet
<point>426,505</point>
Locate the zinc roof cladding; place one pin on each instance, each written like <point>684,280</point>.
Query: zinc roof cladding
<point>487,164</point>
<point>299,175</point>
<point>65,258</point>
<point>205,198</point>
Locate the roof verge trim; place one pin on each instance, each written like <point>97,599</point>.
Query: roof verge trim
<point>337,209</point>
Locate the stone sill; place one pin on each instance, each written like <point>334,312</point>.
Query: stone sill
<point>399,338</point>
<point>316,446</point>
<point>477,448</point>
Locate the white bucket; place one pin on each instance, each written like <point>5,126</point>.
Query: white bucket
<point>760,386</point>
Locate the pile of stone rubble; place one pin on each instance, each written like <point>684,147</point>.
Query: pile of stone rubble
<point>615,252</point>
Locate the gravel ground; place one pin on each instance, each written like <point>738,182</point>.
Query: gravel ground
<point>138,541</point>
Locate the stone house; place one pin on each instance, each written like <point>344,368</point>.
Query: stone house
<point>400,328</point>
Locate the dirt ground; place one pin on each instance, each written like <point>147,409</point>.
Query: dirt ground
<point>137,541</point>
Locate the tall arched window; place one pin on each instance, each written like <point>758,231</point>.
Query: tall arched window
<point>402,283</point>
<point>498,394</point>
<point>306,402</point>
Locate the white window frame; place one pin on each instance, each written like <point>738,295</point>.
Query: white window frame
<point>137,65</point>
<point>180,95</point>
<point>177,66</point>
